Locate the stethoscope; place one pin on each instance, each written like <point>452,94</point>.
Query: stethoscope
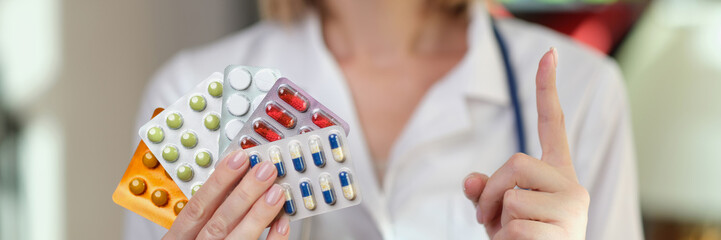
<point>512,89</point>
<point>515,102</point>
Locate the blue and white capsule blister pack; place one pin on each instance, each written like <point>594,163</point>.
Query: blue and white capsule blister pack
<point>185,135</point>
<point>245,89</point>
<point>315,170</point>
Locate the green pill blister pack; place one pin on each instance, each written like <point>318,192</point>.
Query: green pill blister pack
<point>185,135</point>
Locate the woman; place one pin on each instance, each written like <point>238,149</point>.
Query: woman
<point>424,87</point>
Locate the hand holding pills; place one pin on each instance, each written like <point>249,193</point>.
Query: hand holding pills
<point>551,204</point>
<point>234,203</point>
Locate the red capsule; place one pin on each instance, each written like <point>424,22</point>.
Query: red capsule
<point>322,120</point>
<point>266,131</point>
<point>280,115</point>
<point>293,98</point>
<point>247,142</point>
<point>304,129</point>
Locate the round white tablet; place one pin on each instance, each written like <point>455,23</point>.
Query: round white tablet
<point>239,78</point>
<point>237,104</point>
<point>232,128</point>
<point>264,79</point>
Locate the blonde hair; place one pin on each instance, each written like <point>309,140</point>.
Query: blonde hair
<point>287,11</point>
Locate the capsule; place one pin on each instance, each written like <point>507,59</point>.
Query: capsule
<point>304,129</point>
<point>274,153</point>
<point>321,119</point>
<point>289,205</point>
<point>280,115</point>
<point>336,147</point>
<point>247,142</point>
<point>346,183</point>
<point>306,190</point>
<point>297,156</point>
<point>293,98</point>
<point>254,160</point>
<point>266,131</point>
<point>327,188</point>
<point>316,152</point>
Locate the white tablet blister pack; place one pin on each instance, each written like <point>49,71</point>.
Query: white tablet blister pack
<point>314,168</point>
<point>245,89</point>
<point>185,135</point>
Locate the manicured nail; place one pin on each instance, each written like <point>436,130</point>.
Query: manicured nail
<point>273,194</point>
<point>237,160</point>
<point>555,56</point>
<point>283,225</point>
<point>265,171</point>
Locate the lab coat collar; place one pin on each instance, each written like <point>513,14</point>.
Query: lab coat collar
<point>488,78</point>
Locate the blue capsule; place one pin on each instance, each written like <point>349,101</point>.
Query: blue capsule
<point>346,183</point>
<point>336,147</point>
<point>316,152</point>
<point>289,206</point>
<point>297,156</point>
<point>306,191</point>
<point>277,160</point>
<point>327,188</point>
<point>254,160</point>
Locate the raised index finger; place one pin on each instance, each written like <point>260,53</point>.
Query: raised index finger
<point>551,124</point>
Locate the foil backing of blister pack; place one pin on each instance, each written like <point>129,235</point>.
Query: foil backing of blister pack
<point>193,122</point>
<point>245,88</point>
<point>312,172</point>
<point>304,120</point>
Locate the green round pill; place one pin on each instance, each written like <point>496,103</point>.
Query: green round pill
<point>203,158</point>
<point>197,103</point>
<point>185,173</point>
<point>212,121</point>
<point>170,153</point>
<point>155,134</point>
<point>189,140</point>
<point>215,89</point>
<point>195,189</point>
<point>174,121</point>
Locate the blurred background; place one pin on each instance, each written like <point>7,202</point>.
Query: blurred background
<point>72,72</point>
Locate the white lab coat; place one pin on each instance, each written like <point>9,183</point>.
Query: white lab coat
<point>464,123</point>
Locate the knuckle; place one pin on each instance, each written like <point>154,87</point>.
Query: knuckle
<point>195,211</point>
<point>215,229</point>
<point>243,195</point>
<point>518,163</point>
<point>510,200</point>
<point>514,229</point>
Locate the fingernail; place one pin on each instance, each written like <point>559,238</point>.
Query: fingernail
<point>466,182</point>
<point>237,160</point>
<point>479,216</point>
<point>283,225</point>
<point>265,171</point>
<point>555,56</point>
<point>273,194</point>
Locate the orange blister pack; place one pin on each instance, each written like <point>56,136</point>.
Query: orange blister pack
<point>148,190</point>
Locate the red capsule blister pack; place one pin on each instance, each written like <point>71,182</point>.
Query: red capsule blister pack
<point>286,111</point>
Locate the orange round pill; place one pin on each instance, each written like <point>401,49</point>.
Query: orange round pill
<point>137,186</point>
<point>149,160</point>
<point>179,206</point>
<point>159,197</point>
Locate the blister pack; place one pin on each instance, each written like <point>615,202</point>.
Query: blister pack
<point>185,135</point>
<point>148,190</point>
<point>245,88</point>
<point>286,111</point>
<point>315,170</point>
